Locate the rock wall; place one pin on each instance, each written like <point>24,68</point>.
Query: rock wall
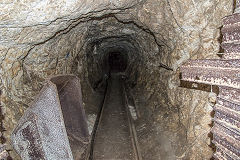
<point>42,38</point>
<point>186,30</point>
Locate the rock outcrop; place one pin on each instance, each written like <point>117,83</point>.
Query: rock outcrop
<point>43,38</point>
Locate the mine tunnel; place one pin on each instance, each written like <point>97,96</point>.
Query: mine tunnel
<point>117,62</point>
<point>100,80</point>
<point>112,136</point>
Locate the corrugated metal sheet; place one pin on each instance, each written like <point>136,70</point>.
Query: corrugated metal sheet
<point>224,73</point>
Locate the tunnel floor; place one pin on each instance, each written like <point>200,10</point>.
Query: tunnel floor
<point>113,139</point>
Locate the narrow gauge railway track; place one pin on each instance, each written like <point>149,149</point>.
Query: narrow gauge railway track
<point>114,136</point>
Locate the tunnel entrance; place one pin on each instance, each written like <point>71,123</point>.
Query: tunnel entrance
<point>111,54</point>
<point>117,62</point>
<point>136,40</point>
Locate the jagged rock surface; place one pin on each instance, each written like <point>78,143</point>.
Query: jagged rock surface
<point>42,38</point>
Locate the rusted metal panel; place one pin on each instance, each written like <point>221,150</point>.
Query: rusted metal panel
<point>228,103</point>
<point>54,126</point>
<point>226,128</point>
<point>231,33</point>
<point>229,147</point>
<point>219,129</point>
<point>69,92</point>
<point>230,94</point>
<point>226,125</point>
<point>231,55</point>
<point>224,150</point>
<point>44,120</point>
<point>226,140</point>
<point>231,47</point>
<point>30,137</point>
<point>227,137</point>
<point>48,138</point>
<point>213,63</point>
<point>70,96</point>
<point>227,115</point>
<point>213,72</point>
<point>231,36</point>
<point>224,73</point>
<point>231,19</point>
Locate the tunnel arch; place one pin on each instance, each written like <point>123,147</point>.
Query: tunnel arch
<point>99,52</point>
<point>117,61</point>
<point>33,51</point>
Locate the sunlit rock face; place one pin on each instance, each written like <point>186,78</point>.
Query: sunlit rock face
<point>43,38</point>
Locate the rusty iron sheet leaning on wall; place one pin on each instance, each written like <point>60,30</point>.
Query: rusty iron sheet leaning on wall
<point>54,124</point>
<point>224,73</point>
<point>227,108</point>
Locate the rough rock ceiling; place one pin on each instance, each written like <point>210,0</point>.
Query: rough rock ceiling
<point>42,38</point>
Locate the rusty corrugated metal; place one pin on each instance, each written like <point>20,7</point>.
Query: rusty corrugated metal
<point>231,55</point>
<point>224,73</point>
<point>213,72</point>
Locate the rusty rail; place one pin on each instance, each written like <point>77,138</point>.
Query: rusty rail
<point>132,128</point>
